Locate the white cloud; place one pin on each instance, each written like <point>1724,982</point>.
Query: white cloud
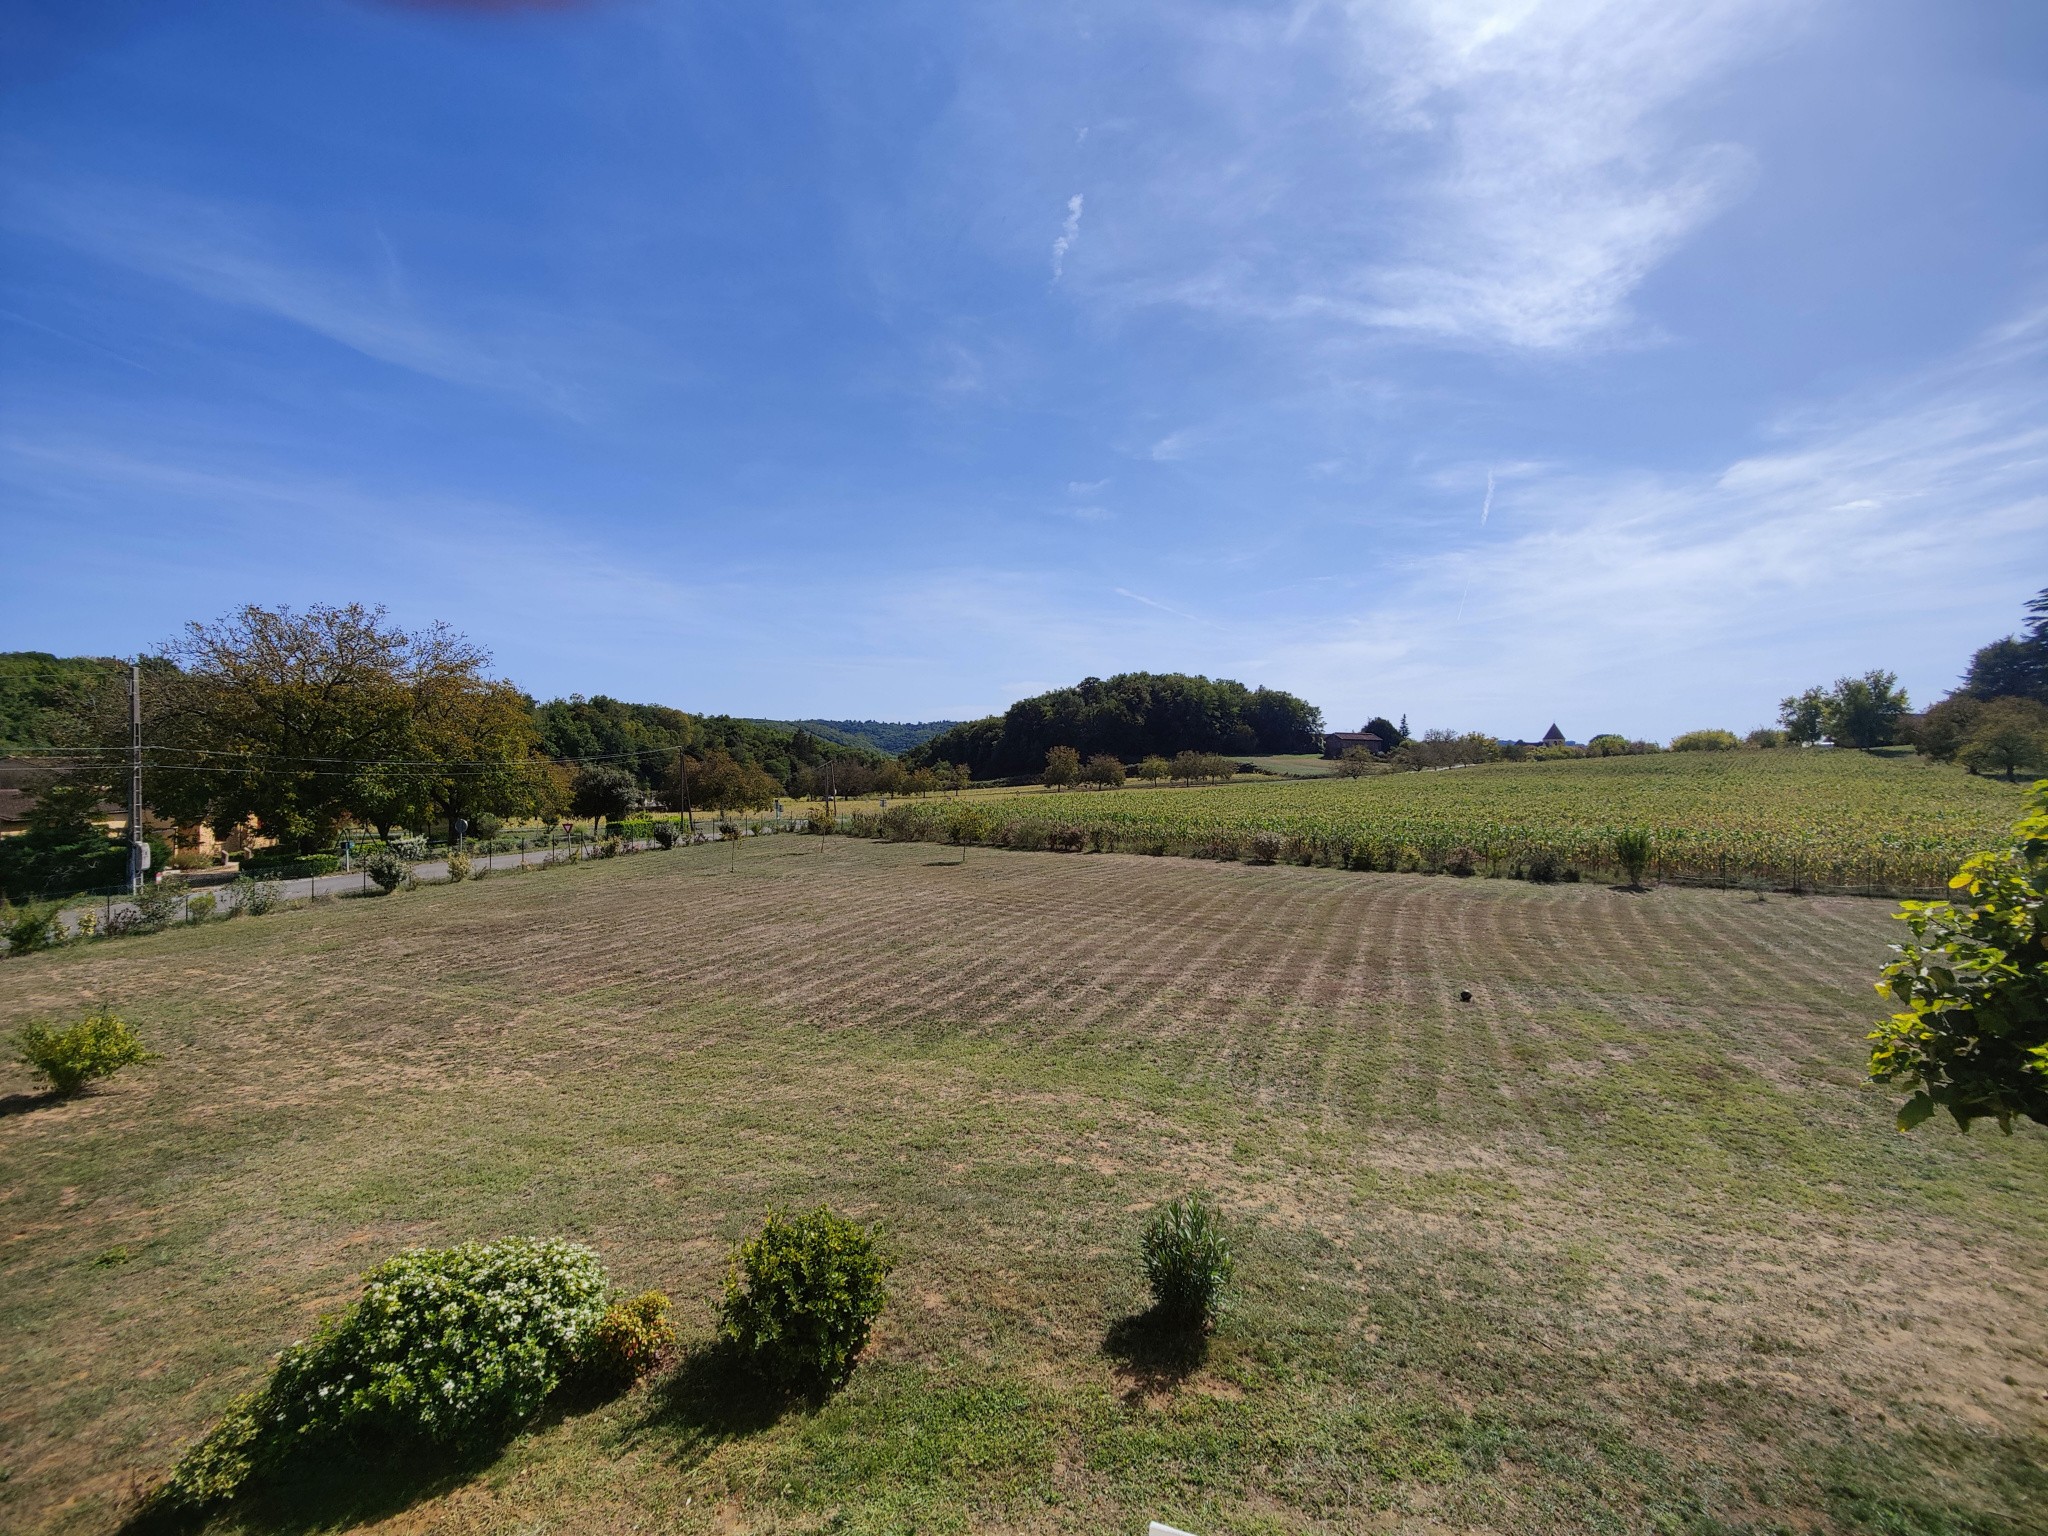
<point>1070,231</point>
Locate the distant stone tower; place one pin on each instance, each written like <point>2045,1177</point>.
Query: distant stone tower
<point>1553,737</point>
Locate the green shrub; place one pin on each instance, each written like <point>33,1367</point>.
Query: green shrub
<point>1188,1262</point>
<point>665,834</point>
<point>151,909</point>
<point>967,823</point>
<point>98,1045</point>
<point>486,826</point>
<point>631,1339</point>
<point>257,898</point>
<point>1705,741</point>
<point>447,1347</point>
<point>1972,1034</point>
<point>801,1297</point>
<point>459,865</point>
<point>1632,851</point>
<point>200,908</point>
<point>31,926</point>
<point>387,868</point>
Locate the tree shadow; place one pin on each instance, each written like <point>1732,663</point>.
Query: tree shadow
<point>1158,1350</point>
<point>712,1397</point>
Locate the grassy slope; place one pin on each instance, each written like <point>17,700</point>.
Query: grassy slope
<point>1622,1245</point>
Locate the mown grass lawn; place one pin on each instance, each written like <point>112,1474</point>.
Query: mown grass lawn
<point>1623,1244</point>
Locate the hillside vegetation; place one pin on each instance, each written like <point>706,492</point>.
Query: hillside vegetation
<point>893,737</point>
<point>39,691</point>
<point>1624,1244</point>
<point>1130,716</point>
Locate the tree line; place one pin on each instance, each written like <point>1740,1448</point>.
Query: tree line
<point>1996,721</point>
<point>303,724</point>
<point>1129,717</point>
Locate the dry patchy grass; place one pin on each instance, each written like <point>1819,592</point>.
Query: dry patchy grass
<point>1623,1244</point>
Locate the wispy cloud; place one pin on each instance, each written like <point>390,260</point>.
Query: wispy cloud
<point>1151,602</point>
<point>1843,539</point>
<point>229,255</point>
<point>1490,173</point>
<point>1070,231</point>
<point>1557,180</point>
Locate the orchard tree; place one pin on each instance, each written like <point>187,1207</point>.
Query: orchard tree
<point>1104,769</point>
<point>1971,1036</point>
<point>1062,767</point>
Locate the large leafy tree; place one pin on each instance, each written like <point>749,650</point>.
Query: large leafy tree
<point>724,784</point>
<point>2017,666</point>
<point>603,791</point>
<point>1971,1034</point>
<point>304,721</point>
<point>2007,735</point>
<point>1866,711</point>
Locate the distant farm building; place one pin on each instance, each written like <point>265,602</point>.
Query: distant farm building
<point>1551,738</point>
<point>1337,743</point>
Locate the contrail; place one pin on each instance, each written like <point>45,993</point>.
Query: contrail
<point>1488,507</point>
<point>1070,231</point>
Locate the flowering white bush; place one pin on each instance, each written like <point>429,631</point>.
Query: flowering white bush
<point>446,1345</point>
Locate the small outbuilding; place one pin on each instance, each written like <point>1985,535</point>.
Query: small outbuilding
<point>1337,743</point>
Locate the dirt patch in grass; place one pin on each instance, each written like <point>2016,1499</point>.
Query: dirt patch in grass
<point>1621,1244</point>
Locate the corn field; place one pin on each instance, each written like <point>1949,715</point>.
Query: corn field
<point>1814,820</point>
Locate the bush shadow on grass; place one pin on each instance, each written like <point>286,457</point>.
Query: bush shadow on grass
<point>339,1485</point>
<point>1158,1350</point>
<point>23,1103</point>
<point>712,1397</point>
<point>335,1487</point>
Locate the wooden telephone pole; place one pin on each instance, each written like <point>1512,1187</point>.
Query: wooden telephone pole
<point>138,847</point>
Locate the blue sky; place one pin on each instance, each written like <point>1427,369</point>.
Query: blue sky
<point>1628,365</point>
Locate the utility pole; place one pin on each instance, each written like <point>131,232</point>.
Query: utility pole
<point>138,848</point>
<point>683,773</point>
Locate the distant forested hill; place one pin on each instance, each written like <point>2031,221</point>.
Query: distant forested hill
<point>891,736</point>
<point>1130,716</point>
<point>37,689</point>
<point>642,738</point>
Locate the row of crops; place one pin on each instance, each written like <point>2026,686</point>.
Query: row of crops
<point>1813,820</point>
